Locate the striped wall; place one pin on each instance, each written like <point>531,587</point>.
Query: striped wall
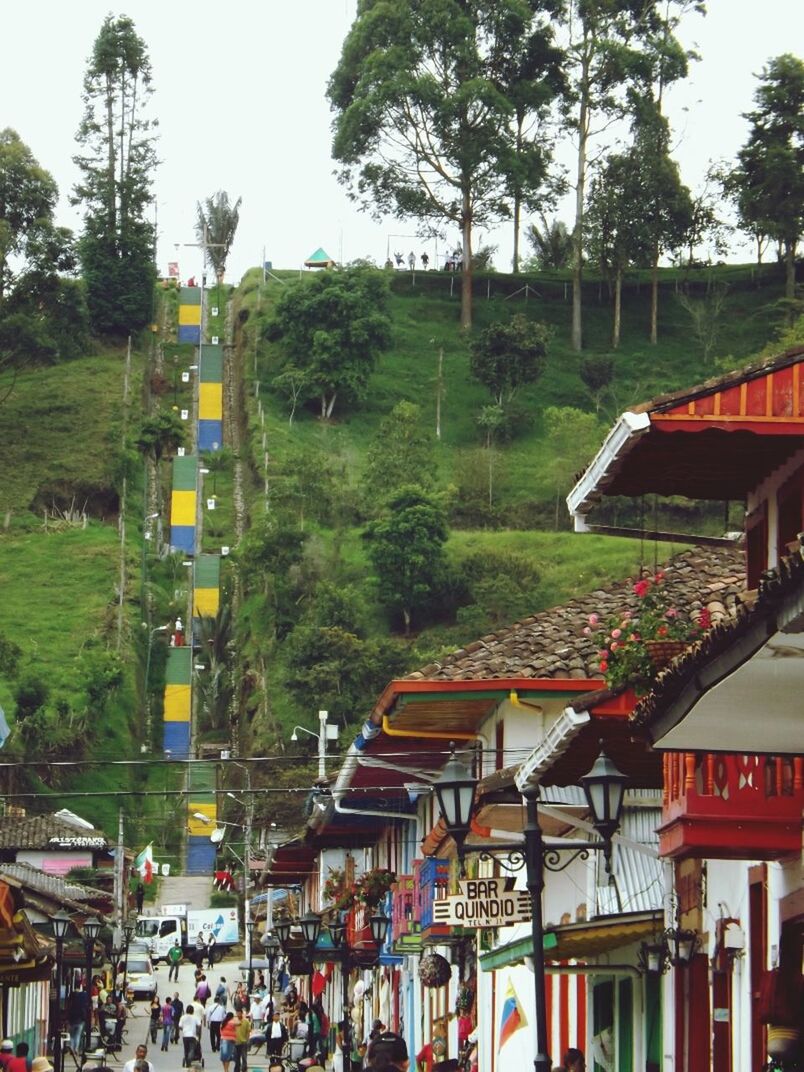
<point>206,586</point>
<point>178,703</point>
<point>190,315</point>
<point>183,502</point>
<point>210,398</point>
<point>201,785</point>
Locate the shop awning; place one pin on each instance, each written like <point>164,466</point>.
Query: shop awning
<point>579,941</point>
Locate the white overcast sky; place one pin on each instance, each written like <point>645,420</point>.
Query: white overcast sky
<point>240,97</point>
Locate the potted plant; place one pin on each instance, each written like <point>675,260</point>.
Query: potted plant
<point>633,645</point>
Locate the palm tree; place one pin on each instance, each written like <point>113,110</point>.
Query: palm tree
<point>216,227</point>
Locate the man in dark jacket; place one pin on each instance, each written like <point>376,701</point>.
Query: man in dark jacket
<point>388,1053</point>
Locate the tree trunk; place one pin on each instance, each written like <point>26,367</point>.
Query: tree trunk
<point>790,274</point>
<point>654,299</point>
<point>577,234</point>
<point>618,293</point>
<point>517,214</point>
<point>466,275</point>
<point>323,406</point>
<point>331,405</point>
<point>111,167</point>
<point>406,618</point>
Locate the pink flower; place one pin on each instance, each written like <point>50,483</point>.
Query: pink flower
<point>603,653</point>
<point>593,619</point>
<point>627,615</point>
<point>641,588</point>
<point>616,633</point>
<point>587,631</point>
<point>614,645</point>
<point>671,612</point>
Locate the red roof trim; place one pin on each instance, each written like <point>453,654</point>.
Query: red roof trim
<point>395,689</point>
<point>765,426</point>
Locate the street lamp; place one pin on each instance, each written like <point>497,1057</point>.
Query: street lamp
<point>337,929</point>
<point>250,932</point>
<point>91,931</point>
<point>327,733</point>
<point>60,922</point>
<point>128,934</point>
<point>271,947</point>
<point>604,787</point>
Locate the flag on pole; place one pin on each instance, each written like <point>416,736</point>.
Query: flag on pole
<point>144,864</point>
<point>512,1015</point>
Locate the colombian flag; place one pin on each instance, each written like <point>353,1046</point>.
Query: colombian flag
<point>512,1016</point>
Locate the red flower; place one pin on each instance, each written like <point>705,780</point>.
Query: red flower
<point>604,666</point>
<point>641,588</point>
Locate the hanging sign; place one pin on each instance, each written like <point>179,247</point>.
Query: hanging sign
<point>77,843</point>
<point>483,902</point>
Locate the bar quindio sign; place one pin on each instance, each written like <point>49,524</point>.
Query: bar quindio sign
<point>483,902</point>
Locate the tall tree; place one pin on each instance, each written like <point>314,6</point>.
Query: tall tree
<point>28,196</point>
<point>552,245</point>
<point>610,44</point>
<point>402,450</point>
<point>422,120</point>
<point>333,327</point>
<point>768,182</point>
<point>117,164</point>
<point>216,227</point>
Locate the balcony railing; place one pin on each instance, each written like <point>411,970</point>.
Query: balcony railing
<point>728,806</point>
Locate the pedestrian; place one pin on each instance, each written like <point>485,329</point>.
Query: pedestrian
<point>425,261</point>
<point>178,1011</point>
<point>174,958</point>
<point>228,1040</point>
<point>140,1054</point>
<point>221,993</point>
<point>388,1053</point>
<point>190,1028</point>
<point>212,941</point>
<point>202,992</point>
<point>20,1062</point>
<point>120,1017</point>
<point>155,1014</point>
<point>6,1052</point>
<point>276,1035</point>
<point>399,260</point>
<point>257,1012</point>
<point>424,1058</point>
<point>200,950</point>
<point>76,1018</point>
<point>167,1024</point>
<point>215,1017</point>
<point>242,1035</point>
<point>412,261</point>
<point>41,1064</point>
<point>573,1060</point>
<point>139,896</point>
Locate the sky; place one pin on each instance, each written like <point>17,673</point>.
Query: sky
<point>240,98</point>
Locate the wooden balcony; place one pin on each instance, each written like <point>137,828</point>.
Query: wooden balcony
<point>405,929</point>
<point>731,807</point>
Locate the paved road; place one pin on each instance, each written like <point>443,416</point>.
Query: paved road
<point>138,1022</point>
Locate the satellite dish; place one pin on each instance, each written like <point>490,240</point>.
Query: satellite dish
<point>216,837</point>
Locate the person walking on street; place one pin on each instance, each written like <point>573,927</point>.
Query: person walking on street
<point>215,1017</point>
<point>200,950</point>
<point>228,1040</point>
<point>155,1014</point>
<point>167,1024</point>
<point>140,1055</point>
<point>276,1035</point>
<point>174,960</point>
<point>202,992</point>
<point>212,941</point>
<point>178,1011</point>
<point>222,994</point>
<point>242,1035</point>
<point>189,1026</point>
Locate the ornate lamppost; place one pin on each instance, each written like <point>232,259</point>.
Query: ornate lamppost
<point>250,930</point>
<point>61,922</point>
<point>92,929</point>
<point>604,787</point>
<point>270,945</point>
<point>337,929</point>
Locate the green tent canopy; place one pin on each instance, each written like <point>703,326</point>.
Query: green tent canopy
<point>319,259</point>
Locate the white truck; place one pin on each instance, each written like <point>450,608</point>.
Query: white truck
<point>180,922</point>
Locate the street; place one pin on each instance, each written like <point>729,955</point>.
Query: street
<point>139,1019</point>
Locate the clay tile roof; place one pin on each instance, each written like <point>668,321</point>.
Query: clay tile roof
<point>35,831</point>
<point>56,885</point>
<point>551,644</point>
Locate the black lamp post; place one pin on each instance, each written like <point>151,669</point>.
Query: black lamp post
<point>337,929</point>
<point>91,931</point>
<point>250,929</point>
<point>270,945</point>
<point>128,934</point>
<point>311,929</point>
<point>604,787</point>
<point>61,922</point>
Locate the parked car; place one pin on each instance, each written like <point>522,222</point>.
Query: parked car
<point>140,973</point>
